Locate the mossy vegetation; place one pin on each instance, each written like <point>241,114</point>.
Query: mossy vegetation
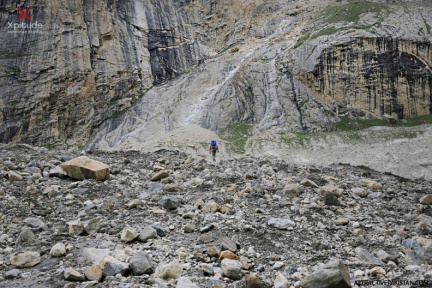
<point>236,136</point>
<point>345,13</point>
<point>347,124</point>
<point>350,131</point>
<point>332,30</point>
<point>300,139</point>
<point>119,113</point>
<point>14,56</point>
<point>352,11</point>
<point>303,39</point>
<point>428,27</point>
<point>420,31</point>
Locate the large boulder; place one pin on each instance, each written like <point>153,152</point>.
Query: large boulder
<point>141,263</point>
<point>85,168</point>
<point>333,274</point>
<point>110,266</point>
<point>169,271</point>
<point>280,281</point>
<point>26,259</point>
<point>58,250</point>
<point>71,274</point>
<point>94,273</point>
<point>95,256</point>
<point>26,236</point>
<point>231,269</point>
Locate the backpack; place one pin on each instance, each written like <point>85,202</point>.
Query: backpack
<point>213,143</point>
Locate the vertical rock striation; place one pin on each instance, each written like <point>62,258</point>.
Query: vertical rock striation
<point>86,62</point>
<point>375,75</point>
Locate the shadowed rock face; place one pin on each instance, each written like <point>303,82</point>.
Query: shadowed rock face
<point>375,75</point>
<point>209,63</point>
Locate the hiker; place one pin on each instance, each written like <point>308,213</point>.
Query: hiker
<point>213,149</point>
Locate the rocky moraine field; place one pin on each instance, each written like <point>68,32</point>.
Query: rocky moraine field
<point>169,219</point>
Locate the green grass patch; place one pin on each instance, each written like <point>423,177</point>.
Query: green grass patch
<point>302,40</point>
<point>115,115</point>
<point>428,27</point>
<point>352,11</point>
<point>328,31</point>
<point>112,103</point>
<point>420,31</point>
<point>299,139</point>
<point>329,113</point>
<point>236,137</point>
<point>14,56</point>
<point>347,124</point>
<point>333,30</point>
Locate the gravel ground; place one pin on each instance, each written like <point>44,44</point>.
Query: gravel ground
<point>280,220</point>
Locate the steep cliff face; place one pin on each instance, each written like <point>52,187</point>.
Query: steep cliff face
<point>375,75</point>
<point>118,71</point>
<point>87,61</point>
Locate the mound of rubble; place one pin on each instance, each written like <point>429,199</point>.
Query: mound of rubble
<point>169,219</point>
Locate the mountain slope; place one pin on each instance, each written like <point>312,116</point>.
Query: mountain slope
<point>104,72</point>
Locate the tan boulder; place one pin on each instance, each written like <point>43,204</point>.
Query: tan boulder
<point>160,175</point>
<point>173,188</point>
<point>26,259</point>
<point>252,281</point>
<point>213,252</point>
<point>228,255</point>
<point>377,271</point>
<point>94,273</point>
<point>85,168</point>
<point>426,200</point>
<point>374,185</point>
<point>342,221</point>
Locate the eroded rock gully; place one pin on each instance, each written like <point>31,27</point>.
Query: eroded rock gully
<point>267,217</point>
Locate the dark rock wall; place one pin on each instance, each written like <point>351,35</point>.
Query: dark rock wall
<point>375,75</point>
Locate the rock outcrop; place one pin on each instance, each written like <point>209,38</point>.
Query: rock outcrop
<point>86,62</point>
<point>375,75</point>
